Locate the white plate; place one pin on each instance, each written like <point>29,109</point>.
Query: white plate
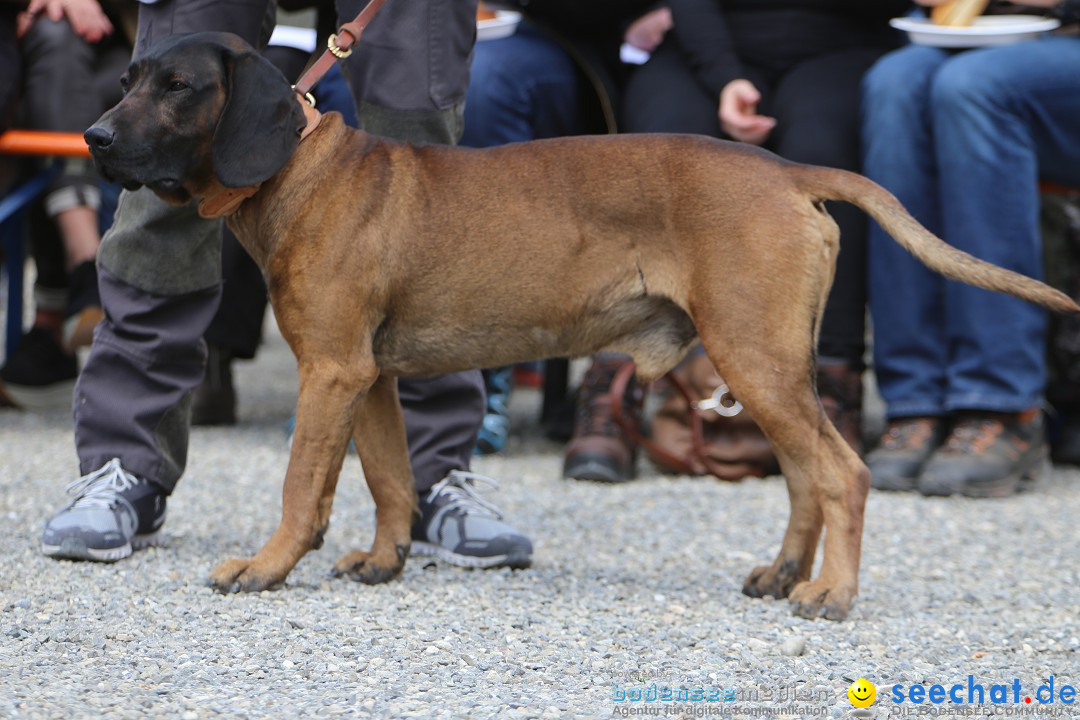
<point>986,30</point>
<point>504,24</point>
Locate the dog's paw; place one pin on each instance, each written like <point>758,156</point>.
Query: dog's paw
<point>774,580</point>
<point>238,575</point>
<point>365,567</point>
<point>818,598</point>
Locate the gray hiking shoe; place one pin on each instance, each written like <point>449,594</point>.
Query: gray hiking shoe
<point>457,526</point>
<point>114,513</point>
<point>989,455</point>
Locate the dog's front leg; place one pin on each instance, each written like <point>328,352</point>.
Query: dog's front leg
<point>379,435</point>
<point>329,392</point>
<point>796,559</point>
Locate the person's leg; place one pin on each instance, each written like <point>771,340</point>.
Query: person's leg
<point>816,106</point>
<point>1001,116</point>
<point>523,87</point>
<point>441,420</point>
<point>906,298</point>
<point>817,110</point>
<point>660,96</point>
<point>159,272</point>
<point>238,323</point>
<point>61,96</point>
<point>412,86</point>
<point>39,373</point>
<point>663,96</point>
<point>234,333</point>
<point>10,58</point>
<point>164,265</point>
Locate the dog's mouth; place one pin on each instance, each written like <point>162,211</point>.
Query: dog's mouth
<point>124,169</point>
<point>165,185</point>
<point>168,185</point>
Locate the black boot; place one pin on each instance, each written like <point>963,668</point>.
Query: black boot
<point>215,398</point>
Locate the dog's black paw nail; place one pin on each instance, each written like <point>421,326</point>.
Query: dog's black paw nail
<point>334,573</point>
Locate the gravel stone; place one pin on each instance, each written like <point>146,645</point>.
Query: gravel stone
<point>793,646</point>
<point>633,586</point>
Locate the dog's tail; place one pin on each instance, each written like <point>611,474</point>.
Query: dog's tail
<point>829,184</point>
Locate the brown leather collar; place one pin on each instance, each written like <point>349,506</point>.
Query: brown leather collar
<point>226,201</point>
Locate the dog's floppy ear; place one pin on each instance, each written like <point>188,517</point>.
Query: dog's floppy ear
<point>260,126</point>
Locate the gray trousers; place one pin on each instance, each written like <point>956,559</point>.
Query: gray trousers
<point>159,266</point>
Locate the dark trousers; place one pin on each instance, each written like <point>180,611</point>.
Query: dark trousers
<point>160,266</point>
<point>816,105</point>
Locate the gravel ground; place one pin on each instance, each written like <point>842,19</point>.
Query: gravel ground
<point>633,587</point>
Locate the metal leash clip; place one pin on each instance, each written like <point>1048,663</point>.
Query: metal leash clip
<point>307,96</point>
<point>339,52</point>
<point>717,403</point>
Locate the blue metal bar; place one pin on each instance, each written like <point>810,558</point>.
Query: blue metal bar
<point>12,240</point>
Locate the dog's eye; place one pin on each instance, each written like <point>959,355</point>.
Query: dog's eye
<point>125,84</point>
<point>177,86</point>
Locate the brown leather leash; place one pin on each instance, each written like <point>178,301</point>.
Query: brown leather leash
<point>338,47</point>
<point>695,407</point>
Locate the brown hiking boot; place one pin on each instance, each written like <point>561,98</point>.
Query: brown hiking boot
<point>599,449</point>
<point>841,391</point>
<point>904,449</point>
<point>988,455</point>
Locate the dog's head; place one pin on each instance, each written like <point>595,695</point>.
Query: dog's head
<point>199,111</point>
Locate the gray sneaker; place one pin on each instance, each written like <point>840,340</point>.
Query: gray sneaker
<point>457,526</point>
<point>114,513</point>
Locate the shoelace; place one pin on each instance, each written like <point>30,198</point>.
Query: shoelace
<point>594,405</point>
<point>459,489</point>
<point>100,488</point>
<point>905,435</point>
<point>973,436</point>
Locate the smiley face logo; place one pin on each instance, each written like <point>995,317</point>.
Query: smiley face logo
<point>862,693</point>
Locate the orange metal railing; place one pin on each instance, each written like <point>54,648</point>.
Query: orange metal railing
<point>36,142</point>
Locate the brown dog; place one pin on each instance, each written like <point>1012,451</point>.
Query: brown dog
<point>385,260</point>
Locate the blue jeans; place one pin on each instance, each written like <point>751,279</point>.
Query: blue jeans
<point>962,140</point>
<point>523,87</point>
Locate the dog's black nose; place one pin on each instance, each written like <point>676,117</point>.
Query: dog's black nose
<point>99,138</point>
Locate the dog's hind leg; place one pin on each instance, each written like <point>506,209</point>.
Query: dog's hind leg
<point>379,434</point>
<point>827,484</point>
<point>329,391</point>
<point>769,365</point>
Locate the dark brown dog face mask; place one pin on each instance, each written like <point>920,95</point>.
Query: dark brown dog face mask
<point>188,92</point>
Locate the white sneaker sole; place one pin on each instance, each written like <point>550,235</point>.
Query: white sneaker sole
<point>75,549</point>
<point>512,560</point>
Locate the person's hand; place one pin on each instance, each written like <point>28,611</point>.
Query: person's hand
<point>738,113</point>
<point>87,18</point>
<point>647,32</point>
